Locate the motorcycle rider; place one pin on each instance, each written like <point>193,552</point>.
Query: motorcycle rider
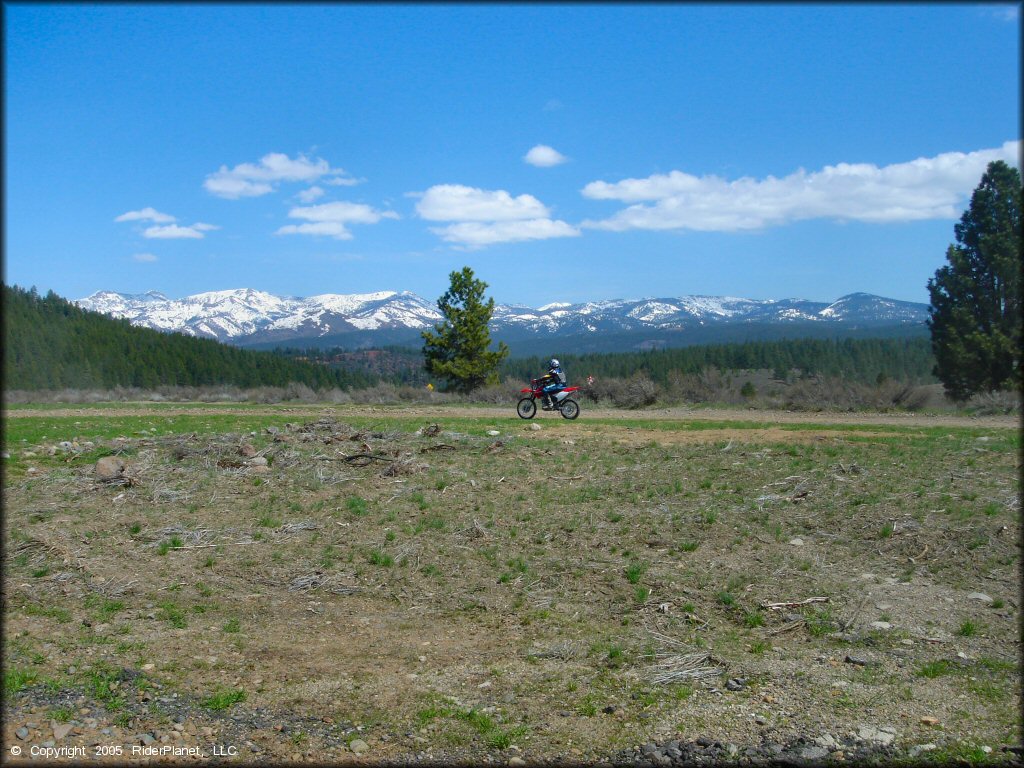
<point>553,382</point>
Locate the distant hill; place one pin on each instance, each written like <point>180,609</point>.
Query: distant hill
<point>51,343</point>
<point>260,320</point>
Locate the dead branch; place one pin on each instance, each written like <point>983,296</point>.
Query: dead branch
<point>780,606</point>
<point>222,544</point>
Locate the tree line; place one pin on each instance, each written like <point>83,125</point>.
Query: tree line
<point>51,343</point>
<point>865,361</point>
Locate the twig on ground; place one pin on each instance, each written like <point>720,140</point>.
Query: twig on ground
<point>795,604</point>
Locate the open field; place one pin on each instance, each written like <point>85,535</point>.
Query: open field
<point>363,584</point>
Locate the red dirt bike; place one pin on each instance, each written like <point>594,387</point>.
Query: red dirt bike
<point>527,406</point>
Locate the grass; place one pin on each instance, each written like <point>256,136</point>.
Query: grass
<point>555,584</point>
<point>224,698</point>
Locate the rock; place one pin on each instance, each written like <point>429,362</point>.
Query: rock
<point>827,740</point>
<point>884,736</point>
<point>813,753</point>
<point>929,720</point>
<point>980,596</point>
<point>917,749</point>
<point>258,461</point>
<point>517,761</point>
<point>860,661</point>
<point>797,542</point>
<point>493,432</point>
<point>22,733</point>
<point>247,450</point>
<point>146,739</point>
<point>60,730</point>
<point>358,746</point>
<point>535,427</point>
<point>735,683</point>
<point>110,468</point>
<point>883,625</point>
<point>760,720</point>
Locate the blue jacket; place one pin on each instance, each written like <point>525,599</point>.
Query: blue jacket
<point>556,380</point>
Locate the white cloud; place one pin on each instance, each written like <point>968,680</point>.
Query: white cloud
<point>334,229</point>
<point>145,257</point>
<point>255,179</point>
<point>330,219</point>
<point>487,217</point>
<point>926,188</point>
<point>311,194</point>
<point>1008,13</point>
<point>454,202</point>
<point>544,156</point>
<point>474,234</point>
<point>175,232</point>
<point>341,181</point>
<point>146,214</point>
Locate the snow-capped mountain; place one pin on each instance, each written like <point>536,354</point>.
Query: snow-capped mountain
<point>256,318</point>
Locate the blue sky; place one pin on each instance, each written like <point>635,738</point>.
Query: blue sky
<point>564,152</point>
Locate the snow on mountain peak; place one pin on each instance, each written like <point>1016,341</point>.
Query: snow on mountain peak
<point>249,315</point>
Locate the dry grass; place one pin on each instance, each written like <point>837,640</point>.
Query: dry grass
<point>392,576</point>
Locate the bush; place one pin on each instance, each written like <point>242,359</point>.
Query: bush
<point>638,391</point>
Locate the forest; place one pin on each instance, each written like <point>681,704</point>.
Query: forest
<point>50,343</point>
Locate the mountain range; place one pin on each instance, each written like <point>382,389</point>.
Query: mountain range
<point>251,318</point>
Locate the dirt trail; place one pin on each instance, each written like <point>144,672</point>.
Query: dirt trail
<point>507,412</point>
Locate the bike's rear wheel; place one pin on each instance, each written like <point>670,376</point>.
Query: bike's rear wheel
<point>526,408</point>
<point>570,408</point>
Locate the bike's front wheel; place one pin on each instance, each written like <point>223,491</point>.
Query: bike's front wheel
<point>526,408</point>
<point>570,408</point>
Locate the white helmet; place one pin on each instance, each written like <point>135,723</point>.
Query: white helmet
<point>553,363</point>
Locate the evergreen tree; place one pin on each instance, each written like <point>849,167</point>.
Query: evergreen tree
<point>457,350</point>
<point>974,316</point>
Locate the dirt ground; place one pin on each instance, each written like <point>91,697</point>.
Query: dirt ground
<point>432,591</point>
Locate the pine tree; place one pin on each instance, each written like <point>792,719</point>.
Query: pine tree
<point>457,350</point>
<point>974,316</point>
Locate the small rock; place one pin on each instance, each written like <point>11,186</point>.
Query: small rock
<point>760,720</point>
<point>247,450</point>
<point>980,596</point>
<point>517,761</point>
<point>22,733</point>
<point>60,730</point>
<point>735,683</point>
<point>797,542</point>
<point>929,720</point>
<point>358,746</point>
<point>883,625</point>
<point>917,749</point>
<point>884,736</point>
<point>535,427</point>
<point>493,432</point>
<point>814,753</point>
<point>109,468</point>
<point>258,461</point>
<point>146,739</point>
<point>858,660</point>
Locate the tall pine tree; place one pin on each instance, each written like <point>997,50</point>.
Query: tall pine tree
<point>974,316</point>
<point>458,348</point>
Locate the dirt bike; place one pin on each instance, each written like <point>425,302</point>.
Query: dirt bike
<point>527,406</point>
